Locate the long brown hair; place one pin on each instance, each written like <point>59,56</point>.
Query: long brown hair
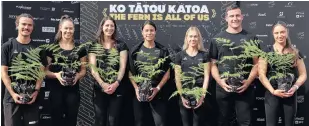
<point>100,33</point>
<point>63,18</point>
<point>289,48</point>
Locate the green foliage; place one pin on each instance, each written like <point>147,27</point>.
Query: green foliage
<point>188,80</point>
<point>197,92</point>
<point>108,74</point>
<point>148,69</point>
<point>247,48</point>
<point>281,63</point>
<point>68,63</point>
<point>27,68</point>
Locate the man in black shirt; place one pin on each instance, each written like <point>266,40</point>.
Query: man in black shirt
<point>14,109</point>
<point>243,97</point>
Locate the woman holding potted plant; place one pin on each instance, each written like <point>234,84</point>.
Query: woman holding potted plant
<point>64,71</point>
<point>108,58</point>
<point>192,75</point>
<point>290,69</point>
<point>149,71</point>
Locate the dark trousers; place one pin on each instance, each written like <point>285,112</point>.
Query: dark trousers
<point>21,114</point>
<point>107,108</point>
<point>195,117</point>
<point>272,105</point>
<point>242,104</point>
<point>157,107</point>
<point>64,104</point>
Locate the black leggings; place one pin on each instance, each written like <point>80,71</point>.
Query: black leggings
<point>272,105</point>
<point>107,108</point>
<point>13,114</point>
<point>242,103</point>
<point>157,107</point>
<point>196,117</point>
<point>64,101</point>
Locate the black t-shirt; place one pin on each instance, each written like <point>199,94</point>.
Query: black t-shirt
<point>10,50</point>
<point>78,54</point>
<point>120,46</point>
<point>272,69</point>
<point>187,62</point>
<point>153,52</point>
<point>218,50</point>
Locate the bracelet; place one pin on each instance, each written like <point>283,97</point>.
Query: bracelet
<point>296,86</point>
<point>158,88</point>
<point>118,81</point>
<point>38,90</point>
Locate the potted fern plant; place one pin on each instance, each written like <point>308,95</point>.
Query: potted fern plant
<point>234,76</point>
<point>69,64</point>
<point>189,90</point>
<point>279,63</point>
<point>26,69</point>
<point>149,70</point>
<point>105,68</point>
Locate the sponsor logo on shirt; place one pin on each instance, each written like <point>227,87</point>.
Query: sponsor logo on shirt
<point>33,122</point>
<point>15,51</point>
<point>242,40</point>
<point>157,51</point>
<point>46,94</point>
<point>185,58</point>
<point>76,21</point>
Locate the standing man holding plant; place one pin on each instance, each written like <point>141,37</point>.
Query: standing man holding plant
<point>14,107</point>
<point>242,97</point>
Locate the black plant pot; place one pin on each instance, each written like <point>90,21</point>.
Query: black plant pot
<point>191,100</point>
<point>286,82</point>
<point>24,89</point>
<point>68,76</point>
<point>145,90</point>
<point>25,98</point>
<point>234,83</point>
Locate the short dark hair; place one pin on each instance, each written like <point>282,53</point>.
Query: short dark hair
<point>232,7</point>
<point>149,23</point>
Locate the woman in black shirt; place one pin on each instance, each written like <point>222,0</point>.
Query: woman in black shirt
<point>154,102</point>
<point>107,90</point>
<point>275,97</point>
<point>64,94</point>
<point>193,55</point>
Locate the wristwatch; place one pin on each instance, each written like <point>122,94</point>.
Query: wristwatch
<point>296,86</point>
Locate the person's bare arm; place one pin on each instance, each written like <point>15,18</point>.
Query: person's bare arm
<point>6,79</point>
<point>215,74</point>
<point>95,74</point>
